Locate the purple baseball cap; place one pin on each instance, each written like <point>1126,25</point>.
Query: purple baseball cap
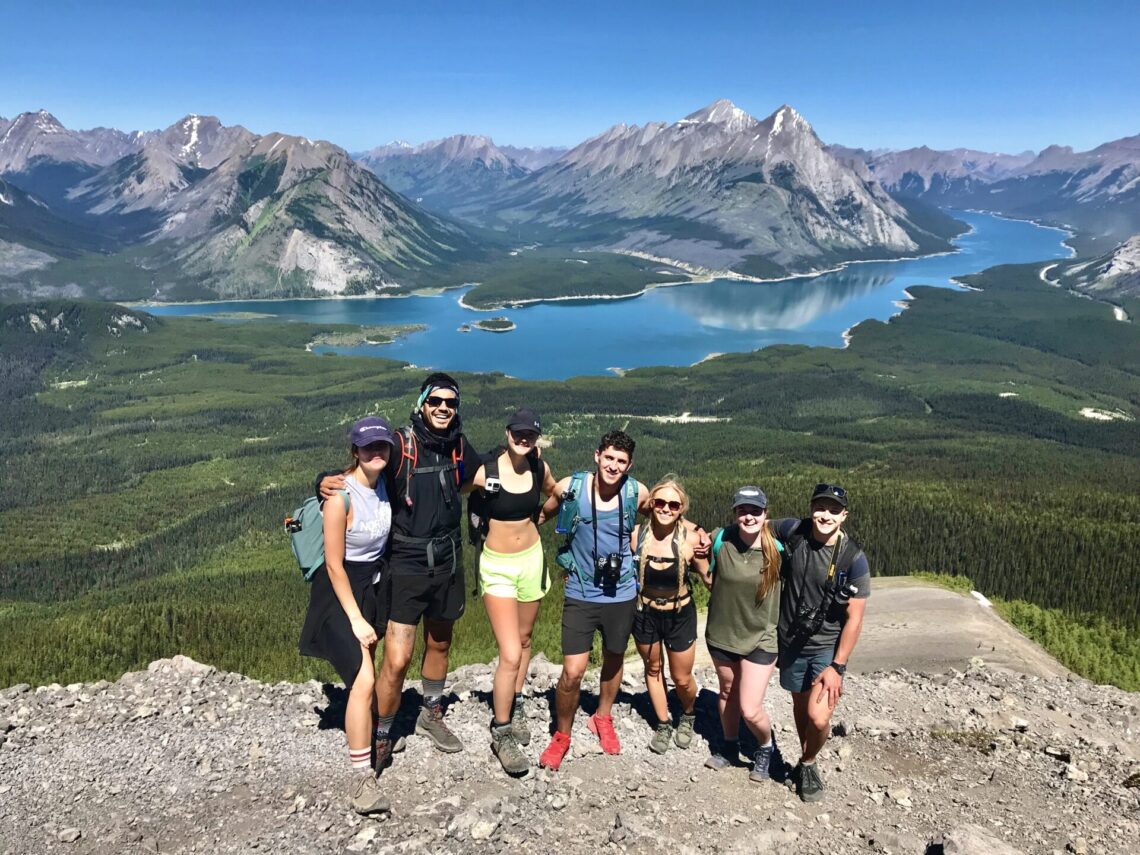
<point>372,429</point>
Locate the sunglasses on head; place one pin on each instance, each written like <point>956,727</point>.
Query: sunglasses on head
<point>671,504</point>
<point>437,401</point>
<point>830,489</point>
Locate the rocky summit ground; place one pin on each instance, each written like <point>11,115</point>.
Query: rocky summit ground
<point>183,758</point>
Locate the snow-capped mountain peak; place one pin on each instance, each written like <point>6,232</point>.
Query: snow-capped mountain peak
<point>724,113</point>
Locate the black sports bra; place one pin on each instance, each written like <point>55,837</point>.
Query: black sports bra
<point>513,507</point>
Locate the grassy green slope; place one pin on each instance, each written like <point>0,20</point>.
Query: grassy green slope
<point>175,459</point>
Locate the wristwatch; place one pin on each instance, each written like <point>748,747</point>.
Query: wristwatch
<point>840,669</point>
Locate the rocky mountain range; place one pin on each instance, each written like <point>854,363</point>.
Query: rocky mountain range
<point>718,188</point>
<point>218,206</point>
<point>1115,274</point>
<point>1097,191</point>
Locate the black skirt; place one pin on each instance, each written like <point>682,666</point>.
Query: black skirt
<point>327,633</point>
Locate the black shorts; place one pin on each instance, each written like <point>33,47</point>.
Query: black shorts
<point>756,657</point>
<point>676,629</point>
<point>327,632</point>
<point>581,619</point>
<point>437,596</point>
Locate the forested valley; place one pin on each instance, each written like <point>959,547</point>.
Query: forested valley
<point>147,464</point>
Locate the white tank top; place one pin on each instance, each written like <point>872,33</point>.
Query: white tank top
<point>371,521</point>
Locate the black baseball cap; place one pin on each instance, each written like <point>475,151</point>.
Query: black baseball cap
<point>750,496</point>
<point>525,419</point>
<point>830,491</point>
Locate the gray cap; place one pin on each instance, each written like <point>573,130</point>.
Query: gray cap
<point>750,496</point>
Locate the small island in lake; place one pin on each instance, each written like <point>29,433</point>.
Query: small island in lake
<point>355,336</point>
<point>499,325</point>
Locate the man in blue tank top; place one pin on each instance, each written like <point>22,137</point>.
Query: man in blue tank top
<point>600,592</point>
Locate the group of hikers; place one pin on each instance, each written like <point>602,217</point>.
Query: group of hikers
<point>787,593</point>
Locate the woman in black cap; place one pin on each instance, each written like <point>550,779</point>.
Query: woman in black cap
<point>347,610</point>
<point>513,483</point>
<point>740,630</point>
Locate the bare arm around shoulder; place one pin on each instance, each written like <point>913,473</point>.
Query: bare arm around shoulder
<point>553,496</point>
<point>330,486</point>
<point>336,522</point>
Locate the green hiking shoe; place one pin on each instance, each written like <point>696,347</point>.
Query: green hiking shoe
<point>684,735</point>
<point>430,724</point>
<point>660,742</point>
<point>519,726</point>
<point>506,748</point>
<point>809,786</point>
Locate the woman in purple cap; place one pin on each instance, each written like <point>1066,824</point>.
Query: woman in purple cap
<point>513,577</point>
<point>347,609</point>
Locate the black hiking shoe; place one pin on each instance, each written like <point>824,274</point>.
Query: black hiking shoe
<point>809,786</point>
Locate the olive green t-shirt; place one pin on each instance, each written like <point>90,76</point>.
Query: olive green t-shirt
<point>736,622</point>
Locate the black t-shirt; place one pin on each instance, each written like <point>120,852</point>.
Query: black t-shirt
<point>804,576</point>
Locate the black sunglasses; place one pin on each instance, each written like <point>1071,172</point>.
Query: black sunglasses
<point>436,401</point>
<point>672,504</point>
<point>830,489</point>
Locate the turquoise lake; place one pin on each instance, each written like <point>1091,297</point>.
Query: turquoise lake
<point>676,325</point>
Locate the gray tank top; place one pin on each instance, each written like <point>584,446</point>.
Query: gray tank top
<point>371,520</point>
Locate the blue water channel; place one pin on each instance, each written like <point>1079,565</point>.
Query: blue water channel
<point>676,325</point>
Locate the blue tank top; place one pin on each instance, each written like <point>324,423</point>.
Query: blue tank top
<point>583,585</point>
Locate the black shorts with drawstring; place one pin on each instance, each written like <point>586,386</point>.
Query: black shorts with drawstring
<point>675,628</point>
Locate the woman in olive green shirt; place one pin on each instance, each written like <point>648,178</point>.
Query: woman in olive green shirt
<point>744,610</point>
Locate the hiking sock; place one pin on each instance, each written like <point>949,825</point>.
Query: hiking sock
<point>432,690</point>
<point>383,726</point>
<point>360,758</point>
<point>518,700</point>
<point>767,744</point>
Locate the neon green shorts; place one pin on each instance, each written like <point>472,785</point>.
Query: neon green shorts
<point>520,575</point>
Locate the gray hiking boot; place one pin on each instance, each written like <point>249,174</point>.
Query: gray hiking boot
<point>727,755</point>
<point>761,764</point>
<point>684,735</point>
<point>366,795</point>
<point>506,748</point>
<point>430,724</point>
<point>809,786</point>
<point>660,742</point>
<point>519,726</point>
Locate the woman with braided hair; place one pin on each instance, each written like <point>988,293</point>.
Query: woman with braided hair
<point>666,617</point>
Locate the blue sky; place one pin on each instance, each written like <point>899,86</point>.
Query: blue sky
<point>998,76</point>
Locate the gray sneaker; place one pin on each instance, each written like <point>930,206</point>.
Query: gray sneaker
<point>684,735</point>
<point>761,762</point>
<point>430,724</point>
<point>366,796</point>
<point>506,748</point>
<point>660,742</point>
<point>809,786</point>
<point>727,755</point>
<point>519,726</point>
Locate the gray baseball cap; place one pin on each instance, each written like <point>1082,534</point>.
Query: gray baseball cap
<point>750,496</point>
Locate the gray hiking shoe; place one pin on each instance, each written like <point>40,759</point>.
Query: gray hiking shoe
<point>506,748</point>
<point>366,795</point>
<point>430,724</point>
<point>809,786</point>
<point>660,742</point>
<point>761,763</point>
<point>727,755</point>
<point>519,726</point>
<point>684,735</point>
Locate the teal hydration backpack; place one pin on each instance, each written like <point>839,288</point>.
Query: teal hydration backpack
<point>719,540</point>
<point>307,534</point>
<point>569,515</point>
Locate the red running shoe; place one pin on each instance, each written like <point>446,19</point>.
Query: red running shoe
<point>551,758</point>
<point>603,726</point>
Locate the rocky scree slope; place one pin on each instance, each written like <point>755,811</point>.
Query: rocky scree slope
<point>1116,274</point>
<point>183,758</point>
